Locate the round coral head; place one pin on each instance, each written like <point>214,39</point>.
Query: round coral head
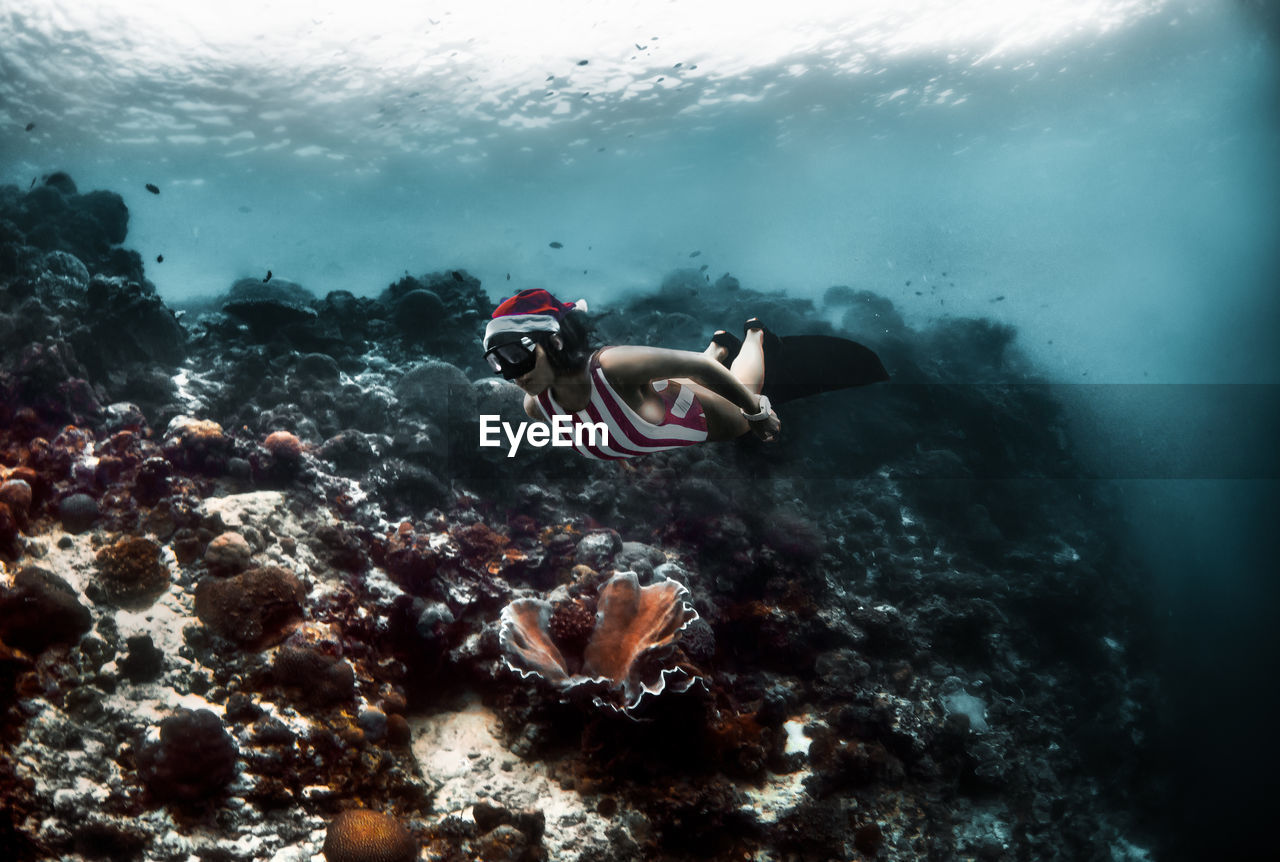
<point>360,835</point>
<point>283,445</point>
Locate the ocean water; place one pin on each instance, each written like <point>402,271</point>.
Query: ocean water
<point>1100,174</point>
<point>1103,176</point>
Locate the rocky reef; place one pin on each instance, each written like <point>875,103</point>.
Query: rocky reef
<point>254,572</point>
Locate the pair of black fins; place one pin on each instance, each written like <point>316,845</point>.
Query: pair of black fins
<point>798,366</point>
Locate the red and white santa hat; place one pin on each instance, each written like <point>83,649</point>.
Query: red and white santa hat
<point>533,310</point>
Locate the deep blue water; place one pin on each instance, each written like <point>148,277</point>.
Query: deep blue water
<point>1105,181</point>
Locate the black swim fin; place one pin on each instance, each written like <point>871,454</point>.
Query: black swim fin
<point>797,366</point>
<point>730,342</point>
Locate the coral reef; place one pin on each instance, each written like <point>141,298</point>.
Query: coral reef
<point>217,637</point>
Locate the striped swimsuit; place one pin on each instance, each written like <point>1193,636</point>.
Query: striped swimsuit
<point>629,435</point>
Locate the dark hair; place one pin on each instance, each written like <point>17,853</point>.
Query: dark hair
<point>576,342</point>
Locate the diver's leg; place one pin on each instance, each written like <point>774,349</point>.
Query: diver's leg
<point>748,367</point>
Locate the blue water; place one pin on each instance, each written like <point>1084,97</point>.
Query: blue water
<point>1113,181</point>
<point>1106,180</point>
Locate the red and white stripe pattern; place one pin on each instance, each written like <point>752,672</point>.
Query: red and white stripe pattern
<point>630,435</point>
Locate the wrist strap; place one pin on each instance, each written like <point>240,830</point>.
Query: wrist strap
<point>764,411</point>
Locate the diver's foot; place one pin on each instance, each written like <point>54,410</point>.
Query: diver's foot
<point>752,325</point>
<point>723,347</point>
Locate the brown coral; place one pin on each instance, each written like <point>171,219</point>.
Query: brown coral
<point>479,543</point>
<point>631,651</point>
<point>131,572</point>
<point>16,494</point>
<point>42,609</point>
<point>411,561</point>
<point>320,679</point>
<point>571,625</point>
<point>9,546</point>
<point>360,835</point>
<point>31,477</point>
<point>197,444</point>
<point>187,431</point>
<point>194,759</point>
<point>283,445</point>
<point>228,554</point>
<point>257,608</point>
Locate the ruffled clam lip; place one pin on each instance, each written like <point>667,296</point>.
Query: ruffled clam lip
<point>529,651</point>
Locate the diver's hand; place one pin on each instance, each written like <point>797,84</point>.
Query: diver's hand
<point>767,429</point>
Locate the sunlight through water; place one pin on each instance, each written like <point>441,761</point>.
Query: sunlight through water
<point>411,75</point>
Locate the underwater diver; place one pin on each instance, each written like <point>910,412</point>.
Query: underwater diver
<point>649,399</point>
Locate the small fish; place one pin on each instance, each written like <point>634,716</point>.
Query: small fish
<point>998,298</point>
<point>693,254</point>
<point>30,126</point>
<point>33,183</point>
<point>268,278</point>
<point>159,258</point>
<point>584,272</point>
<point>582,62</point>
<point>153,189</point>
<point>908,282</point>
<point>944,275</point>
<point>704,267</point>
<point>557,245</point>
<point>457,276</point>
<point>508,276</point>
<point>919,293</point>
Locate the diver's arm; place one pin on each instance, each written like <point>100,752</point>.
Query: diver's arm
<point>633,365</point>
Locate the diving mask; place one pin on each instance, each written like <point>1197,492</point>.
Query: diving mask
<point>513,359</point>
